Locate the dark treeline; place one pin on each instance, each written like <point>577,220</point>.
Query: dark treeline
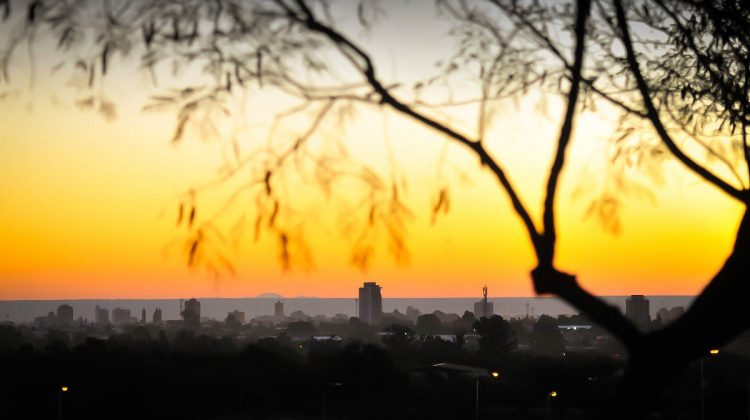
<point>372,373</point>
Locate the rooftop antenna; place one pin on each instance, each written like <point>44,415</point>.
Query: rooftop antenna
<point>484,300</point>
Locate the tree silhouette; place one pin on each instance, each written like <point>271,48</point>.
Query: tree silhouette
<point>687,83</point>
<point>428,324</point>
<point>495,336</point>
<point>546,338</point>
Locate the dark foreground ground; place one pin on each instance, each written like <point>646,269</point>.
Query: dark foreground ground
<point>128,376</point>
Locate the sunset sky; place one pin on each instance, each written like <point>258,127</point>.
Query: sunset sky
<point>88,206</point>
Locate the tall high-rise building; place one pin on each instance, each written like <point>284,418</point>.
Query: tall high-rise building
<point>101,315</point>
<point>156,318</point>
<point>64,315</point>
<point>120,316</point>
<point>278,310</point>
<point>192,312</point>
<point>370,303</point>
<point>143,316</point>
<point>637,309</point>
<point>484,308</point>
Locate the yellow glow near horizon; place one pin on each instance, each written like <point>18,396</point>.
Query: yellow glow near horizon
<point>89,213</point>
<point>87,207</point>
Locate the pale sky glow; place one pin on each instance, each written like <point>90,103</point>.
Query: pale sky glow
<point>88,207</point>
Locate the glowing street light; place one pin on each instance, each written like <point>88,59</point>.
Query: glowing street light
<point>550,395</point>
<point>494,375</point>
<point>712,352</point>
<point>63,390</point>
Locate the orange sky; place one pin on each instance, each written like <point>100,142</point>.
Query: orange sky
<point>87,207</point>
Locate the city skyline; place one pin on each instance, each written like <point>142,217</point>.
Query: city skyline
<point>368,309</point>
<point>217,308</point>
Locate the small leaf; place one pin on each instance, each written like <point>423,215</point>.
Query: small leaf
<point>180,212</point>
<point>284,251</point>
<point>105,56</point>
<point>274,213</point>
<point>191,218</point>
<point>193,251</point>
<point>179,131</point>
<point>267,182</point>
<point>371,216</point>
<point>33,7</point>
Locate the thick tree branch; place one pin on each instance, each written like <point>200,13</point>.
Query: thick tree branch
<point>551,281</point>
<point>550,234</point>
<point>653,114</point>
<point>546,278</point>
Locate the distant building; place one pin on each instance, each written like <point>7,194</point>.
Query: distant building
<point>46,321</point>
<point>156,318</point>
<point>666,316</point>
<point>64,315</point>
<point>484,308</point>
<point>637,309</point>
<point>192,312</point>
<point>120,316</point>
<point>143,316</point>
<point>370,303</point>
<point>236,316</point>
<point>278,310</point>
<point>101,315</point>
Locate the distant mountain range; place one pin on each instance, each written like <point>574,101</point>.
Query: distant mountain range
<point>269,295</point>
<point>272,295</point>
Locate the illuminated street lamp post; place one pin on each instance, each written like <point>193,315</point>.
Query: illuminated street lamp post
<point>550,396</point>
<point>63,390</point>
<point>712,352</point>
<point>494,375</point>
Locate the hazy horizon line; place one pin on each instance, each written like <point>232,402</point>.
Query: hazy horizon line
<point>327,297</point>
